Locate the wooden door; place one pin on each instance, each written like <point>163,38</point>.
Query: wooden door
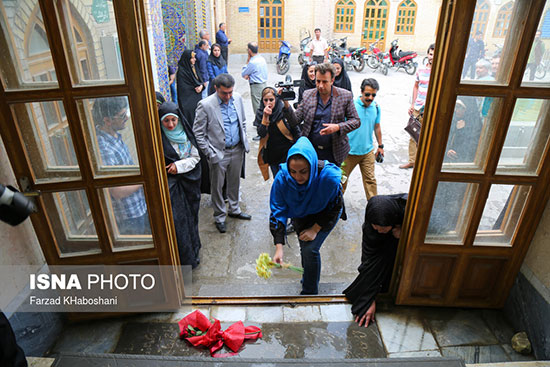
<point>483,166</point>
<point>375,23</point>
<point>61,82</point>
<point>270,24</point>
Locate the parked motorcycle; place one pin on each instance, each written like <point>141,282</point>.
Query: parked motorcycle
<point>402,59</point>
<point>374,58</point>
<point>355,58</point>
<point>305,52</point>
<point>283,60</point>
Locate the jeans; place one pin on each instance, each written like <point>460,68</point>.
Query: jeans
<point>174,92</point>
<point>205,90</point>
<point>274,169</point>
<point>311,261</point>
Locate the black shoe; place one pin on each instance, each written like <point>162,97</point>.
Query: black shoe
<point>257,138</point>
<point>240,216</point>
<point>221,227</point>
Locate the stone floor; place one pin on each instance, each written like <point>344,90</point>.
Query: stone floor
<point>312,332</point>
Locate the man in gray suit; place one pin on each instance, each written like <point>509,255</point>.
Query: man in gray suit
<point>220,131</point>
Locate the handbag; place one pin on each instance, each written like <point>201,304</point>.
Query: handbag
<point>413,128</point>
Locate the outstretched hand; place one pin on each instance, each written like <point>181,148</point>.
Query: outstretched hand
<point>329,129</point>
<point>368,317</point>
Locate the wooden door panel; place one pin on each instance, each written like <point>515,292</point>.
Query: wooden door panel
<point>270,24</point>
<point>481,277</point>
<point>432,276</point>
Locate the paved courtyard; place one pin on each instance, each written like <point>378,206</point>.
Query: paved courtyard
<point>228,260</point>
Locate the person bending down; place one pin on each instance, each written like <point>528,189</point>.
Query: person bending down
<point>381,231</point>
<point>309,192</point>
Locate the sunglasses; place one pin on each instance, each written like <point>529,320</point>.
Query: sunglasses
<point>369,94</point>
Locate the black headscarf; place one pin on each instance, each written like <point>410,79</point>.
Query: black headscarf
<point>309,84</point>
<point>218,61</point>
<point>342,80</point>
<point>386,210</point>
<point>277,111</point>
<point>160,97</point>
<point>187,72</point>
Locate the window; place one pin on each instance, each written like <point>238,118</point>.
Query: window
<point>481,17</point>
<point>345,16</point>
<point>406,16</point>
<point>503,20</point>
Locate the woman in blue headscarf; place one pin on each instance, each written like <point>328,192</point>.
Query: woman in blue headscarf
<point>184,180</point>
<point>308,191</point>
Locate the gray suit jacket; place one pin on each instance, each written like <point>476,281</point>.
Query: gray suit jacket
<point>209,130</point>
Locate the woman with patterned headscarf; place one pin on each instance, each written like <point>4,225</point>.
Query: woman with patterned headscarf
<point>184,178</point>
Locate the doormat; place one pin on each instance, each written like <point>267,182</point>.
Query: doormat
<point>124,360</point>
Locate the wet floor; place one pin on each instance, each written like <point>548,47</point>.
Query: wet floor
<point>311,332</point>
<point>228,260</point>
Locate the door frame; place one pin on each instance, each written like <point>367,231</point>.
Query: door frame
<point>452,40</point>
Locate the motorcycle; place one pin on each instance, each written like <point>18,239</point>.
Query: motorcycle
<point>305,52</point>
<point>283,60</point>
<point>355,58</point>
<point>402,59</point>
<point>376,55</point>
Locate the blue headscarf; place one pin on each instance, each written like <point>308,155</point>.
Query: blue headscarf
<point>178,135</point>
<point>290,200</point>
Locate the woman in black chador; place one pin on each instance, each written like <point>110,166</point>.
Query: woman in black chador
<point>190,85</point>
<point>381,231</point>
<point>184,179</point>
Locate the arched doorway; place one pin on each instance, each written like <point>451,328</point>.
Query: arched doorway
<point>270,24</point>
<point>375,22</point>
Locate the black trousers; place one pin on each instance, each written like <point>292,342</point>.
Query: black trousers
<point>11,355</point>
<point>225,52</point>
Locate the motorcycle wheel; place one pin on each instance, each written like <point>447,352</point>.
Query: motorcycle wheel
<point>540,72</point>
<point>301,59</point>
<point>372,62</point>
<point>410,68</point>
<point>384,69</point>
<point>283,65</point>
<point>361,65</point>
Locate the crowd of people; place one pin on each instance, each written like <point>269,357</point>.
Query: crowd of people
<point>311,149</point>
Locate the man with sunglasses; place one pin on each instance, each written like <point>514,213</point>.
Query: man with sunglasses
<point>362,151</point>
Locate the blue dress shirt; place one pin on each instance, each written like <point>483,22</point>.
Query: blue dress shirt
<point>256,69</point>
<point>230,122</point>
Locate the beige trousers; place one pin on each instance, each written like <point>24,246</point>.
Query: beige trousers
<point>366,165</point>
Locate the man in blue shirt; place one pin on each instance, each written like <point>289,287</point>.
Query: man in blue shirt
<point>128,202</point>
<point>255,71</point>
<point>362,150</point>
<point>223,41</point>
<point>201,54</point>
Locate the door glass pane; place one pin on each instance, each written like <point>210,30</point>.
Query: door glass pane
<point>262,34</point>
<point>280,11</point>
<point>472,127</point>
<point>451,212</point>
<point>273,33</point>
<point>279,34</point>
<point>109,131</point>
<point>261,11</point>
<point>537,70</point>
<point>526,138</point>
<point>267,11</point>
<point>72,223</point>
<point>97,30</point>
<point>488,60</point>
<point>501,215</point>
<point>128,216</point>
<point>25,49</point>
<point>47,140</point>
<point>267,22</point>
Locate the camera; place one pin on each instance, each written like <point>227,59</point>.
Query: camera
<point>288,85</point>
<point>14,206</point>
<point>379,157</point>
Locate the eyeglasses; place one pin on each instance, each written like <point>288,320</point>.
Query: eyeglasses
<point>369,94</point>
